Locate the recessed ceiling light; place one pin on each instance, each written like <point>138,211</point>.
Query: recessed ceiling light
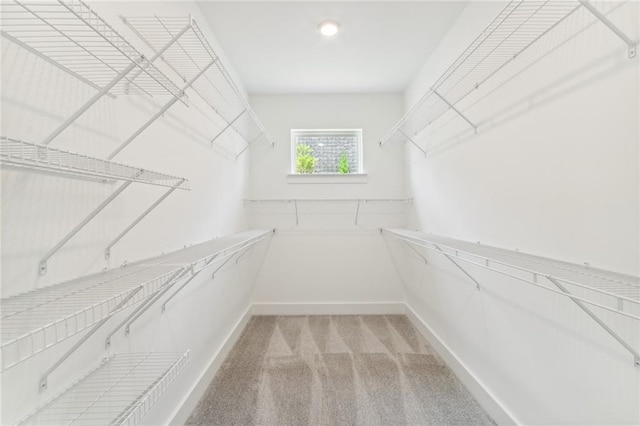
<point>329,28</point>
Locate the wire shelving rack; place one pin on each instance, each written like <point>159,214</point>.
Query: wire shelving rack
<point>185,49</point>
<point>70,35</point>
<point>356,202</point>
<point>120,391</point>
<point>38,319</point>
<point>31,156</point>
<point>520,25</point>
<point>35,157</point>
<point>587,287</point>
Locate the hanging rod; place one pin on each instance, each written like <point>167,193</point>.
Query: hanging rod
<point>186,57</point>
<point>520,25</point>
<point>119,391</point>
<point>621,289</point>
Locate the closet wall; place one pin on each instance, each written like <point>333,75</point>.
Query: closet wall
<point>38,209</point>
<point>553,171</point>
<point>326,259</point>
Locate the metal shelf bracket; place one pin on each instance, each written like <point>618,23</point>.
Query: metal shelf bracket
<point>42,267</point>
<point>423,151</point>
<point>159,114</point>
<point>457,265</point>
<point>589,312</point>
<point>612,285</point>
<point>44,379</point>
<point>631,45</point>
<point>456,110</point>
<point>107,251</point>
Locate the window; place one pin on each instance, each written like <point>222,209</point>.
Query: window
<point>326,151</point>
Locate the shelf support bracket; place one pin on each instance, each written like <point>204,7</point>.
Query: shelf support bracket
<point>229,124</point>
<point>146,304</point>
<point>423,151</point>
<point>249,143</point>
<point>157,54</point>
<point>159,114</point>
<point>89,103</point>
<point>295,204</point>
<point>43,380</point>
<point>415,250</point>
<point>457,111</point>
<point>107,251</point>
<point>184,284</point>
<point>562,288</point>
<point>458,266</point>
<point>43,262</point>
<point>357,212</point>
<point>207,264</point>
<point>630,43</point>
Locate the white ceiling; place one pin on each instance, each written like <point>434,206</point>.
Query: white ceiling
<point>276,47</point>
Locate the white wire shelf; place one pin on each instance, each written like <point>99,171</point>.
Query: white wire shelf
<point>186,50</point>
<point>71,35</point>
<point>120,391</point>
<point>595,281</point>
<point>36,320</point>
<point>31,156</point>
<point>319,205</point>
<point>328,200</point>
<point>520,25</point>
<point>586,287</point>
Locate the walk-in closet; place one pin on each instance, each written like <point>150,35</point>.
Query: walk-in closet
<point>320,212</point>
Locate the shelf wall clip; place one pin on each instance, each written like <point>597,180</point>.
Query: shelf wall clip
<point>630,43</point>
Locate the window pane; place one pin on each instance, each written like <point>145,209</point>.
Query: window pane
<point>329,151</point>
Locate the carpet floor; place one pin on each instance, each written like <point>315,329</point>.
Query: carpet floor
<point>335,370</point>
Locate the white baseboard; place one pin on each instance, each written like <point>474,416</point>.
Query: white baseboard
<point>196,392</point>
<point>390,308</point>
<point>485,398</point>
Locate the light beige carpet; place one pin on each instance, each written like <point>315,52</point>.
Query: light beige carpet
<point>335,370</point>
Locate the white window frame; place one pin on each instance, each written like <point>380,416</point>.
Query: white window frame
<point>295,133</point>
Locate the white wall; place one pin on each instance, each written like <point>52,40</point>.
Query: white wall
<point>552,171</point>
<point>39,209</point>
<point>326,258</point>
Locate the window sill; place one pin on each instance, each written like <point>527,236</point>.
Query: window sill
<point>328,178</point>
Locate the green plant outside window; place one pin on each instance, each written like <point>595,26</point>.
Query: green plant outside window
<point>343,166</point>
<point>305,161</point>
